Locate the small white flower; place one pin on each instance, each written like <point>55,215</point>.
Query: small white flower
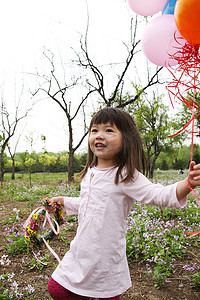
<point>14,286</point>
<point>30,289</point>
<point>4,260</point>
<point>10,276</point>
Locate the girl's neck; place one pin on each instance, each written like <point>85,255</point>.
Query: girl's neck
<point>106,168</point>
<point>105,164</point>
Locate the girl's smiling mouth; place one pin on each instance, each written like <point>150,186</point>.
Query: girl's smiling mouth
<point>99,145</point>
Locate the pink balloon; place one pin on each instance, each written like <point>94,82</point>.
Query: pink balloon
<point>161,39</point>
<point>146,7</point>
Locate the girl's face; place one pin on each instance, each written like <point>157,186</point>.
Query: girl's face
<point>105,141</point>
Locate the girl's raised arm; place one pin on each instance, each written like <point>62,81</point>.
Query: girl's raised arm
<point>192,180</point>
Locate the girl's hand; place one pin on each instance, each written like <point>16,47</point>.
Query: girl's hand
<point>191,181</point>
<point>59,200</point>
<point>194,175</point>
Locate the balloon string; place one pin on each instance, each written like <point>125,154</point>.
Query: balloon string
<point>189,69</point>
<point>193,110</point>
<point>193,193</point>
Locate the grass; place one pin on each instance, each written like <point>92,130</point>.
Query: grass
<point>155,236</point>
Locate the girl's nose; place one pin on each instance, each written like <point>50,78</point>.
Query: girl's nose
<point>100,135</point>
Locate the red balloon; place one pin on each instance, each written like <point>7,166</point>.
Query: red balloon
<point>187,17</point>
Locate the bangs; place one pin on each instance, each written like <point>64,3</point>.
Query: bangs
<point>106,115</point>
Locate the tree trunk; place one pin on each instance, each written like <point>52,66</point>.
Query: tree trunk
<point>2,162</point>
<point>71,153</point>
<point>13,164</point>
<point>152,166</point>
<point>2,167</point>
<point>13,169</point>
<point>71,167</point>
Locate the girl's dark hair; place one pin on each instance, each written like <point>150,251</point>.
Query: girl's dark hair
<point>132,154</point>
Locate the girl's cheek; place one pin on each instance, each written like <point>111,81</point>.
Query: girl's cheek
<point>107,136</point>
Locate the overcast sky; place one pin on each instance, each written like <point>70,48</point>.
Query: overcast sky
<point>28,27</point>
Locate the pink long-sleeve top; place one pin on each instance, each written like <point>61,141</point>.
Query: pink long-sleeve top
<point>96,264</point>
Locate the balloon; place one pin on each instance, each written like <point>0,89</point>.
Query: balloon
<point>169,7</point>
<point>158,41</point>
<point>146,7</point>
<point>187,17</point>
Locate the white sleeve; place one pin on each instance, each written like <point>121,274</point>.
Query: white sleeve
<point>71,205</point>
<point>146,192</point>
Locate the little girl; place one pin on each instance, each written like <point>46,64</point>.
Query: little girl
<point>96,264</point>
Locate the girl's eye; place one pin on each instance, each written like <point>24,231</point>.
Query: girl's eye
<point>109,130</point>
<point>94,130</point>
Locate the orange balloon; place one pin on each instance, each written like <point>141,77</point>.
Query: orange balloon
<point>187,17</point>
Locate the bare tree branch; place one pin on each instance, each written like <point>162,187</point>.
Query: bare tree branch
<point>58,92</point>
<point>8,128</point>
<point>154,80</point>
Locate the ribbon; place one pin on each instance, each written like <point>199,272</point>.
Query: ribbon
<point>49,219</point>
<point>197,232</point>
<point>188,59</point>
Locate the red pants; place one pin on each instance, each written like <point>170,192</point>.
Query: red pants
<point>58,292</point>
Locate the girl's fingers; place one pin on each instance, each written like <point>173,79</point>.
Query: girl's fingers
<point>192,165</point>
<point>196,167</point>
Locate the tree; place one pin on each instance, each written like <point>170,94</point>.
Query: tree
<point>21,158</point>
<point>58,91</point>
<point>64,160</point>
<point>94,81</point>
<point>12,155</point>
<point>47,161</point>
<point>98,80</point>
<point>8,127</point>
<point>182,157</point>
<point>30,160</point>
<point>117,97</point>
<point>153,122</point>
<point>29,163</point>
<point>43,158</point>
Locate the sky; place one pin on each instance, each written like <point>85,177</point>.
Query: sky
<point>27,29</point>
